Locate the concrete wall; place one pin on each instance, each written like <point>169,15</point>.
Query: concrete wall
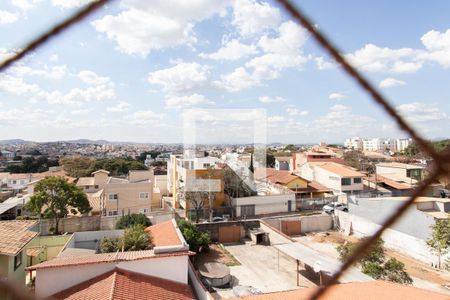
<point>275,237</point>
<point>195,282</point>
<point>161,183</point>
<point>213,228</point>
<point>265,204</point>
<point>316,223</point>
<point>414,222</point>
<point>394,239</point>
<point>70,225</point>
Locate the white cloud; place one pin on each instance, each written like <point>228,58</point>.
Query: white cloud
<point>390,82</point>
<point>267,99</point>
<point>55,72</point>
<point>372,58</point>
<point>231,50</point>
<point>77,112</point>
<point>120,107</point>
<point>143,26</point>
<point>53,58</point>
<point>143,118</point>
<point>337,96</point>
<point>70,3</point>
<point>250,16</point>
<point>25,5</point>
<point>180,102</point>
<point>7,17</point>
<point>438,46</point>
<point>183,77</point>
<point>418,112</point>
<point>92,78</point>
<point>291,111</point>
<point>284,51</point>
<point>323,64</point>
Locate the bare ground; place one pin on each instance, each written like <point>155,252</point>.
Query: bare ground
<point>216,253</point>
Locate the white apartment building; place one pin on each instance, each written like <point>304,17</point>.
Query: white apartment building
<point>377,144</point>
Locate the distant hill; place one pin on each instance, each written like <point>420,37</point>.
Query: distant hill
<point>15,141</point>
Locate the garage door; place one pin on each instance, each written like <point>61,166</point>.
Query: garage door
<point>230,234</point>
<point>248,210</point>
<point>291,228</point>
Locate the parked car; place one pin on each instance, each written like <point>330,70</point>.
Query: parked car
<point>219,219</point>
<point>331,207</point>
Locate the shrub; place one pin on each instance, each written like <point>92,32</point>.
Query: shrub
<point>197,240</point>
<point>110,244</point>
<point>128,221</point>
<point>135,239</point>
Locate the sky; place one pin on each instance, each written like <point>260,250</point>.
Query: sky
<point>241,71</point>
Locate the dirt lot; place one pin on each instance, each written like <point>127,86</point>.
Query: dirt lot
<point>216,253</point>
<point>327,241</point>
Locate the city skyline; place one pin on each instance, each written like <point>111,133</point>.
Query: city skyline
<point>104,80</point>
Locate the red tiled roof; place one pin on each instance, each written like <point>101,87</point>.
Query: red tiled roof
<point>120,285</point>
<point>164,234</point>
<point>102,258</point>
<point>392,183</point>
<point>276,176</point>
<point>339,169</point>
<point>373,290</point>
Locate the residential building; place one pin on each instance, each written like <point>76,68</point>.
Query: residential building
<point>195,174</point>
<point>299,159</point>
<point>13,207</point>
<point>20,181</point>
<point>337,177</point>
<point>300,186</point>
<point>377,144</point>
<point>14,237</point>
<point>282,163</point>
<point>401,172</point>
<point>355,143</point>
<point>112,196</point>
<point>160,273</point>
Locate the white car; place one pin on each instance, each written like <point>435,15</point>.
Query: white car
<point>331,207</point>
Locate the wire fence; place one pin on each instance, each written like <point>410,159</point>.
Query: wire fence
<point>441,165</point>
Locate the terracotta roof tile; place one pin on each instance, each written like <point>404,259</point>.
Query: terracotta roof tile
<point>276,176</point>
<point>373,290</point>
<point>14,235</point>
<point>120,285</point>
<point>339,169</point>
<point>164,234</point>
<point>102,258</point>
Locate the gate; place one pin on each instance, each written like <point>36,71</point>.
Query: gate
<point>230,234</point>
<point>291,228</point>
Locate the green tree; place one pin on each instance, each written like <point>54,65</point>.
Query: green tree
<point>133,239</point>
<point>197,240</point>
<point>374,262</point>
<point>440,238</point>
<point>55,197</point>
<point>77,166</point>
<point>128,221</point>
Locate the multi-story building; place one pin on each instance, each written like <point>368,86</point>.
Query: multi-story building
<point>355,143</point>
<point>112,196</point>
<point>194,174</point>
<point>377,144</point>
<point>401,172</point>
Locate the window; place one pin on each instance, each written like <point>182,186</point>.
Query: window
<point>86,187</point>
<point>14,182</point>
<point>143,210</point>
<point>17,260</point>
<point>143,195</point>
<point>357,180</point>
<point>96,186</point>
<point>346,181</point>
<point>113,196</point>
<point>112,213</point>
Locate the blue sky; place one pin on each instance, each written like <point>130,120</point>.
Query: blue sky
<point>135,69</point>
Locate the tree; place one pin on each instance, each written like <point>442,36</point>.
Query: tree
<point>374,262</point>
<point>234,186</point>
<point>77,166</point>
<point>128,221</point>
<point>197,240</point>
<point>440,238</point>
<point>133,239</point>
<point>55,197</point>
<point>354,158</point>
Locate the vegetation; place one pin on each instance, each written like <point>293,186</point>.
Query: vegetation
<point>32,165</point>
<point>134,239</point>
<point>234,186</point>
<point>84,166</point>
<point>440,238</point>
<point>413,150</point>
<point>197,240</point>
<point>375,264</point>
<point>354,158</point>
<point>128,221</point>
<point>55,198</point>
<point>143,155</point>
